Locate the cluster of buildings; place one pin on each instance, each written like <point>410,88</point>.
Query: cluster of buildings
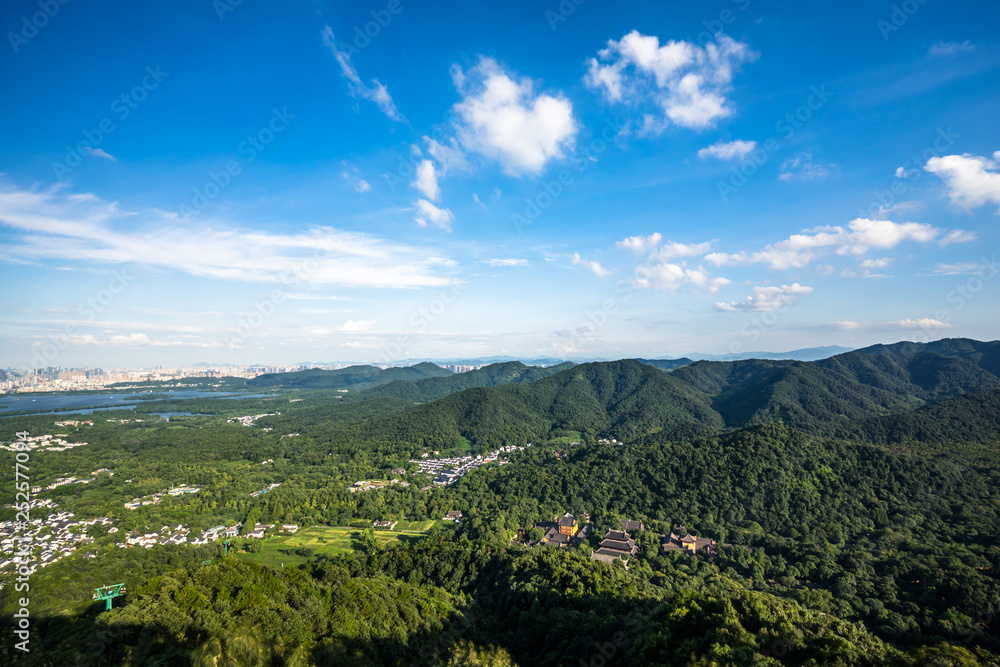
<point>372,484</point>
<point>617,544</point>
<point>51,443</point>
<point>248,420</point>
<point>449,470</point>
<point>50,539</point>
<point>156,498</point>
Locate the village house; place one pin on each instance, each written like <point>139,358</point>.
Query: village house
<point>453,515</point>
<point>385,524</point>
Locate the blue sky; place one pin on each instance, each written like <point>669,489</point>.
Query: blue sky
<point>378,181</point>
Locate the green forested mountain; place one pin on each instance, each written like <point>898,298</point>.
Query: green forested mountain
<point>352,377</point>
<point>970,418</point>
<point>855,502</point>
<point>622,397</point>
<point>666,364</point>
<point>432,388</point>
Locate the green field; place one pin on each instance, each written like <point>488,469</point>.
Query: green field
<point>279,550</point>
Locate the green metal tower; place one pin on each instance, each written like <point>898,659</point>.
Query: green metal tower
<point>108,593</point>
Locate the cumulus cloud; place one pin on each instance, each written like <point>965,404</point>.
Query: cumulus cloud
<point>426,181</point>
<point>659,271</point>
<point>673,276</point>
<point>497,261</point>
<point>766,298</point>
<point>686,84</point>
<point>972,180</point>
<point>48,225</point>
<point>731,150</point>
<point>428,212</point>
<point>375,92</point>
<point>859,237</point>
<point>591,266</point>
<point>503,118</point>
<point>640,244</point>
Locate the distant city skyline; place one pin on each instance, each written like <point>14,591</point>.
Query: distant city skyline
<point>377,182</point>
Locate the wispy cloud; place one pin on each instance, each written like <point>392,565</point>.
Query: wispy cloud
<point>376,92</point>
<point>48,225</point>
<point>591,265</point>
<point>496,261</point>
<point>950,48</point>
<point>802,168</point>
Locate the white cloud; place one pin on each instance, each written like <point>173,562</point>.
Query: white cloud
<point>659,272</point>
<point>767,298</point>
<point>591,266</point>
<point>48,226</point>
<point>972,180</point>
<point>428,212</point>
<point>957,236</point>
<point>475,198</point>
<point>958,269</point>
<point>450,156</point>
<point>357,325</point>
<point>686,83</point>
<point>99,152</point>
<point>879,263</point>
<point>426,181</point>
<point>640,244</point>
<point>496,261</point>
<point>376,92</point>
<point>130,340</point>
<point>802,168</point>
<point>672,250</point>
<point>504,119</point>
<point>860,236</point>
<point>923,323</point>
<point>728,150</point>
<point>950,48</point>
<point>362,186</point>
<point>671,276</point>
